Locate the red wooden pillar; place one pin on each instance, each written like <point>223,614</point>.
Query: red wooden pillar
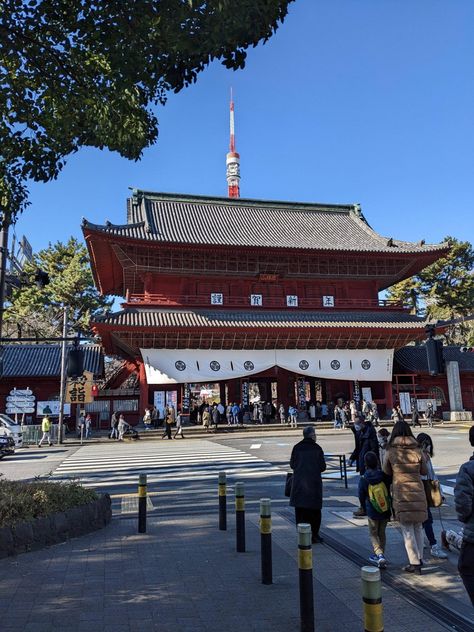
<point>143,400</point>
<point>233,388</point>
<point>388,395</point>
<point>283,388</point>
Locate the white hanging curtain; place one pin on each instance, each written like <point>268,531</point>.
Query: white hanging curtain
<point>175,366</point>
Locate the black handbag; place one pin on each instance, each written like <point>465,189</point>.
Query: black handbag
<point>288,484</point>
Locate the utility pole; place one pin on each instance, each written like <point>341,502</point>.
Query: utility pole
<point>62,394</point>
<point>5,225</point>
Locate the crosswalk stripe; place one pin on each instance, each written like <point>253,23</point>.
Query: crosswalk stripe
<point>118,465</point>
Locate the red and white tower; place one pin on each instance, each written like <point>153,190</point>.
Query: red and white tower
<point>232,159</point>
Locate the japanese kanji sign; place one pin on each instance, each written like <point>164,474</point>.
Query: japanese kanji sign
<point>79,390</point>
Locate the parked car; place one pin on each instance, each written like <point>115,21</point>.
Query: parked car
<point>11,429</point>
<point>7,446</point>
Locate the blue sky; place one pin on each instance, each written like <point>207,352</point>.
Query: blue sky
<point>367,101</point>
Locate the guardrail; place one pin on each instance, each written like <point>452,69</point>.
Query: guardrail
<point>32,434</point>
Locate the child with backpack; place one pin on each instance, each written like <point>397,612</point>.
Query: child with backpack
<point>374,496</point>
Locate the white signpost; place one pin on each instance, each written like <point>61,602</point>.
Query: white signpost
<point>20,401</point>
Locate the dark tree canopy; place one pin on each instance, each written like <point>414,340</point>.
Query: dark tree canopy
<point>79,73</point>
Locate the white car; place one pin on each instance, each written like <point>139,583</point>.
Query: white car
<point>10,429</point>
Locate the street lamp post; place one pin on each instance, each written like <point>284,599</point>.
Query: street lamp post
<point>62,393</point>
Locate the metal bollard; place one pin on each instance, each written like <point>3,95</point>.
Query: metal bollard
<point>372,599</point>
<point>142,503</point>
<point>222,501</point>
<point>305,565</point>
<point>266,539</point>
<point>240,517</point>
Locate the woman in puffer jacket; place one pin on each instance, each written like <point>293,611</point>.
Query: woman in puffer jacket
<point>405,463</point>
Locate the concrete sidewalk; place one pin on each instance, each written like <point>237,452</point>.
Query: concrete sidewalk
<point>184,575</point>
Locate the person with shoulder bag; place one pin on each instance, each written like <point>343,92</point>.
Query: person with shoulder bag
<point>170,419</point>
<point>433,494</point>
<point>405,463</point>
<point>464,503</point>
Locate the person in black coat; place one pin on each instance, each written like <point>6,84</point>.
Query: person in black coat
<point>368,442</point>
<point>307,462</point>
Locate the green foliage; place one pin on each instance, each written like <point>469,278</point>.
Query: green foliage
<point>21,501</point>
<point>37,311</point>
<point>443,290</point>
<point>77,73</point>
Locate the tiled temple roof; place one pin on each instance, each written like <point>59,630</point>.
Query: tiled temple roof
<point>176,218</point>
<point>132,317</point>
<point>414,359</point>
<point>41,360</point>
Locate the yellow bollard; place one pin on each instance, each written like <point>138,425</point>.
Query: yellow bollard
<point>305,566</point>
<point>372,599</point>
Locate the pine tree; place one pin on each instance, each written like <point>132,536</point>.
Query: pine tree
<point>443,291</point>
<point>37,311</point>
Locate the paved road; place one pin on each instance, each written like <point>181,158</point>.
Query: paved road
<point>182,478</point>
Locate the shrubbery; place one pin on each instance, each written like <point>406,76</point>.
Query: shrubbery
<point>25,501</point>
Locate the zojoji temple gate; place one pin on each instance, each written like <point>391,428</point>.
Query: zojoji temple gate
<point>229,299</point>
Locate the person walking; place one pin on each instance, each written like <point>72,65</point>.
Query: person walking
<point>179,425</point>
<point>114,426</point>
<point>375,498</point>
<point>366,408</point>
<point>429,414</point>
<point>267,412</point>
<point>206,418</point>
<point>307,462</point>
<point>228,414</point>
<point>282,414</point>
<point>88,424</point>
<point>169,421</point>
<point>382,437</point>
<point>292,412</point>
<point>46,430</point>
<point>464,504</point>
<point>366,441</point>
<point>426,444</point>
<point>147,419</point>
<point>337,416</point>
<point>415,415</point>
<point>405,463</point>
<point>375,415</point>
<point>122,427</point>
<point>397,414</point>
<point>154,417</point>
<point>81,426</point>
<point>215,416</point>
<point>235,414</point>
<point>353,410</point>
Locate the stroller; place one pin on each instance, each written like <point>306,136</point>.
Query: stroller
<point>131,433</point>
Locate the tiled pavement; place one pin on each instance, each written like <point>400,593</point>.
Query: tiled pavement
<point>184,575</point>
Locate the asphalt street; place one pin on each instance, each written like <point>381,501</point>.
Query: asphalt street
<point>182,486</point>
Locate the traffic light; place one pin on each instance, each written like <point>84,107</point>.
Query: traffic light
<point>41,278</point>
<point>75,362</point>
<point>466,349</point>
